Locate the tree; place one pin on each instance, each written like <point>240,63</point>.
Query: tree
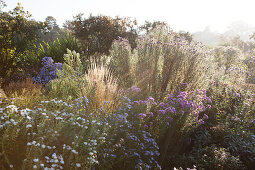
<point>18,33</point>
<point>148,26</point>
<point>52,31</point>
<point>97,33</point>
<point>241,29</point>
<point>186,35</point>
<point>207,36</point>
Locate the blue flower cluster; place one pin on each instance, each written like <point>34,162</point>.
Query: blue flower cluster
<point>48,72</point>
<point>127,144</point>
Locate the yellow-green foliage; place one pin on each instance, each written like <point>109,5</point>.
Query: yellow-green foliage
<point>2,94</point>
<point>26,93</point>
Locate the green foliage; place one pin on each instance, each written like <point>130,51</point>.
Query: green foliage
<point>69,79</point>
<point>18,30</point>
<point>101,125</point>
<point>57,48</point>
<point>213,157</point>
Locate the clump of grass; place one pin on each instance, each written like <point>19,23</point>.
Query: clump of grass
<point>162,61</point>
<point>101,86</point>
<point>26,93</point>
<point>2,94</point>
<point>121,62</point>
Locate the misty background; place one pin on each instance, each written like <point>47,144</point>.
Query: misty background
<point>210,22</point>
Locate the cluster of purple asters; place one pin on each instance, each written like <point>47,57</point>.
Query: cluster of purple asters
<point>175,106</point>
<point>190,103</point>
<point>48,72</point>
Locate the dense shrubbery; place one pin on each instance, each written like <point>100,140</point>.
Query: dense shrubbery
<point>167,102</point>
<point>18,33</point>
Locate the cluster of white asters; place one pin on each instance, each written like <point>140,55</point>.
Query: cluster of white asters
<point>55,161</point>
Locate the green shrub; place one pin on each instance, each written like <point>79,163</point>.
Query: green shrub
<point>56,49</point>
<point>70,82</point>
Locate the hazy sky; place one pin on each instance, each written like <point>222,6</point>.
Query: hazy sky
<point>188,15</point>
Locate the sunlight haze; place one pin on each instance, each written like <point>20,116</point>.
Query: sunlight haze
<point>187,15</point>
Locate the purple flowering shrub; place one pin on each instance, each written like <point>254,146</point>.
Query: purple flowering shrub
<point>190,104</point>
<point>230,126</point>
<point>234,105</point>
<point>48,72</point>
<point>129,144</point>
<point>126,146</point>
<point>170,121</point>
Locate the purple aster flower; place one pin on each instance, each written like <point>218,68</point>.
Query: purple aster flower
<point>161,112</point>
<point>142,115</point>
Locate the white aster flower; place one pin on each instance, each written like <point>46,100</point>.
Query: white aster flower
<point>36,160</point>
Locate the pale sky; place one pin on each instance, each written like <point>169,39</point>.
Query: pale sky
<point>187,15</point>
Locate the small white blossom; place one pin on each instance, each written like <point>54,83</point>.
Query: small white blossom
<point>36,160</point>
<point>74,151</point>
<point>54,156</point>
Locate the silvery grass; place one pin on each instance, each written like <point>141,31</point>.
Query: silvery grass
<point>231,65</point>
<point>162,61</point>
<point>97,83</point>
